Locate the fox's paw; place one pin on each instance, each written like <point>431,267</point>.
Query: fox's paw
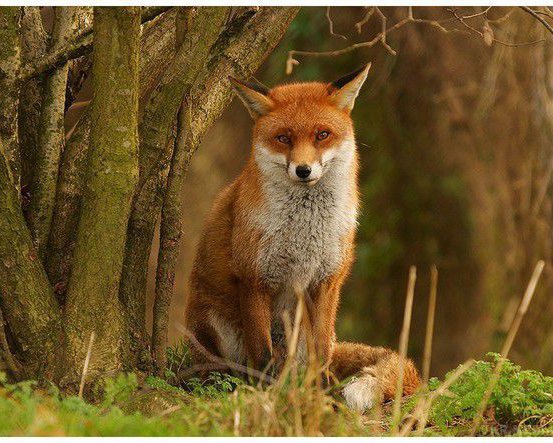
<point>362,392</point>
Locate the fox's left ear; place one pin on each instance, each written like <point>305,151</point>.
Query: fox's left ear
<point>254,97</point>
<point>345,90</point>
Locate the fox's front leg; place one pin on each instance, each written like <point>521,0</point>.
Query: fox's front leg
<point>325,304</point>
<point>255,310</point>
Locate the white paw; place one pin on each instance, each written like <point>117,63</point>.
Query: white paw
<point>361,392</point>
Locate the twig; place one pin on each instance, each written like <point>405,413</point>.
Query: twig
<point>222,361</point>
<point>403,343</point>
<point>526,299</point>
<point>461,20</point>
<point>383,33</point>
<point>331,25</point>
<point>537,17</point>
<point>430,324</point>
<point>365,19</point>
<point>86,363</point>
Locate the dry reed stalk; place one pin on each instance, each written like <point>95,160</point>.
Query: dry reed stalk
<point>86,363</point>
<point>523,307</point>
<point>403,343</point>
<point>427,356</point>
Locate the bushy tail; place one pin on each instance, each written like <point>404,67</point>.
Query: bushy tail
<point>374,371</point>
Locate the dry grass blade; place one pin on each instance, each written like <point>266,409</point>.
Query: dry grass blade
<point>86,363</point>
<point>427,356</point>
<point>523,307</point>
<point>403,343</point>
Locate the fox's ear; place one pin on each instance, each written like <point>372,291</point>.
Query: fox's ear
<point>255,97</point>
<point>345,90</point>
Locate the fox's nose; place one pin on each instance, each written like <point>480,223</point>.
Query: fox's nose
<point>303,171</point>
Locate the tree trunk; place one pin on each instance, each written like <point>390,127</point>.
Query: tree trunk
<point>51,134</point>
<point>33,46</point>
<point>92,302</point>
<point>9,90</point>
<point>157,48</point>
<point>203,28</point>
<point>26,298</point>
<point>209,97</point>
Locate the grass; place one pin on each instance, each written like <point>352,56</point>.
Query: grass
<point>521,404</point>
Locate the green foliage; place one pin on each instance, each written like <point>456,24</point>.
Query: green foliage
<point>118,390</point>
<point>213,386</point>
<point>178,358</point>
<point>224,405</point>
<point>519,395</point>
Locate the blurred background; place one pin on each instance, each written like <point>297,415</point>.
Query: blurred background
<point>455,138</point>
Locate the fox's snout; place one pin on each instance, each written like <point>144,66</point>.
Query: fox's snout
<point>304,172</point>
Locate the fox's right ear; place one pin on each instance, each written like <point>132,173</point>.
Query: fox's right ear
<point>254,97</point>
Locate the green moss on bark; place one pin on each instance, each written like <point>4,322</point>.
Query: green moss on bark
<point>26,298</point>
<point>9,91</point>
<point>92,302</point>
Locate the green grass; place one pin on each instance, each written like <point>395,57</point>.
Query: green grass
<point>222,405</point>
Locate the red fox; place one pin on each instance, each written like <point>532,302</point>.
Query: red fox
<point>287,222</point>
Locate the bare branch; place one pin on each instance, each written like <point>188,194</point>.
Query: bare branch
<point>79,46</point>
<point>537,17</point>
<point>331,25</point>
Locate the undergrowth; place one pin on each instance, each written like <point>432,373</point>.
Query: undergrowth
<point>222,405</point>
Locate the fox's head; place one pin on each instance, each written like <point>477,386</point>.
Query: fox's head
<point>302,129</point>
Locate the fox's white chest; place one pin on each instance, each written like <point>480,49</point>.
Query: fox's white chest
<point>303,230</point>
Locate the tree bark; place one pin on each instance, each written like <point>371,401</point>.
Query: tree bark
<point>9,90</point>
<point>51,135</point>
<point>156,53</point>
<point>211,94</point>
<point>92,302</point>
<point>33,46</point>
<point>80,45</point>
<point>26,298</point>
<point>203,27</point>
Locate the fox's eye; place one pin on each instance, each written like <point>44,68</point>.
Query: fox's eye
<point>322,135</point>
<point>284,139</point>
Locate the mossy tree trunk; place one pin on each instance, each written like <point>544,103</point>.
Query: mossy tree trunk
<point>93,224</point>
<point>26,297</point>
<point>92,303</point>
<point>10,62</point>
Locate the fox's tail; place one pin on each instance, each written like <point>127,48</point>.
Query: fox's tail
<point>374,371</point>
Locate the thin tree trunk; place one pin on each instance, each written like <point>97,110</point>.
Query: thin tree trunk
<point>92,302</point>
<point>203,28</point>
<point>26,298</point>
<point>9,90</point>
<point>51,134</point>
<point>164,287</point>
<point>211,95</point>
<point>33,46</point>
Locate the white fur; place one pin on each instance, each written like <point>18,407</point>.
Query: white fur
<point>230,342</point>
<point>303,226</point>
<point>361,392</point>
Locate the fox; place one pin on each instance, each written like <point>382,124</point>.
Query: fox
<point>287,224</point>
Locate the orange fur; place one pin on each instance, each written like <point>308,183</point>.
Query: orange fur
<point>232,307</point>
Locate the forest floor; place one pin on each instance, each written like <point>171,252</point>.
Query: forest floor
<point>520,404</point>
